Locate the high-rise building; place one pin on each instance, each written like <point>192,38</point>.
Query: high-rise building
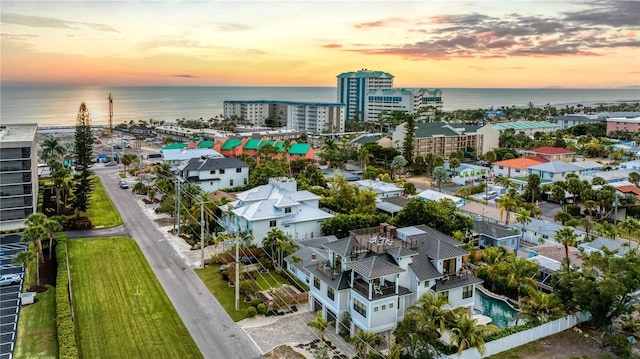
<point>18,174</point>
<point>354,87</point>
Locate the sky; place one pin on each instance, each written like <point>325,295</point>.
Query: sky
<point>444,44</point>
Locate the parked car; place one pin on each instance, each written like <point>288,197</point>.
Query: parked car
<point>9,279</point>
<point>111,163</point>
<point>124,185</point>
<point>224,267</point>
<point>248,260</point>
<point>117,147</point>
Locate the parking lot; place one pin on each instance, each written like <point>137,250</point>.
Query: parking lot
<point>10,245</point>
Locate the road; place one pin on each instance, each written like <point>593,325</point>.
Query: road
<point>211,328</point>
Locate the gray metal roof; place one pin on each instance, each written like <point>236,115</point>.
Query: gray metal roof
<point>339,282</point>
<point>423,268</point>
<point>492,230</point>
<point>555,167</point>
<point>468,279</point>
<point>208,164</point>
<point>305,255</point>
<point>342,246</point>
<point>400,252</point>
<point>374,267</point>
<point>403,291</point>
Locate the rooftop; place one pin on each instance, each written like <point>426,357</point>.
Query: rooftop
<point>18,133</point>
<point>522,163</point>
<point>548,150</point>
<point>525,125</point>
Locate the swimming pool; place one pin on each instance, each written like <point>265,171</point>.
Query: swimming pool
<point>500,312</point>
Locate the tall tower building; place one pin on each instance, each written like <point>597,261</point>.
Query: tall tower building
<point>353,88</point>
<point>18,174</point>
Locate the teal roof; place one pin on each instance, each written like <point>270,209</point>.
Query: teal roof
<point>206,144</point>
<point>252,144</point>
<point>275,144</point>
<point>524,125</point>
<point>175,146</point>
<point>231,144</point>
<point>299,148</point>
<point>365,73</point>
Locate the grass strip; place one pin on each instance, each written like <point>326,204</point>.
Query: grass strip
<point>37,328</point>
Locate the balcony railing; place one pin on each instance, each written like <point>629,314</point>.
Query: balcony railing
<point>326,269</point>
<point>377,291</point>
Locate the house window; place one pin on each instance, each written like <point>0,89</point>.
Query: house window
<point>238,170</point>
<point>375,309</point>
<point>426,283</point>
<point>445,294</point>
<point>287,210</point>
<point>467,291</point>
<point>390,305</point>
<point>330,293</point>
<point>212,172</point>
<point>230,182</point>
<point>316,282</point>
<point>449,266</point>
<point>245,181</point>
<point>272,223</point>
<point>222,171</point>
<point>384,307</point>
<point>359,307</point>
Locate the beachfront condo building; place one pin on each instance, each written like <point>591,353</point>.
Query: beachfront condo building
<point>368,95</point>
<point>307,117</point>
<point>18,174</point>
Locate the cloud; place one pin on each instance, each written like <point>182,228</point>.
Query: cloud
<point>185,76</point>
<point>610,25</point>
<point>181,41</point>
<point>332,46</point>
<point>18,37</point>
<point>50,22</point>
<point>228,26</point>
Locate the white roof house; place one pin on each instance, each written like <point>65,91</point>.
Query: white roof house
<point>278,205</point>
<point>610,176</point>
<point>554,171</point>
<point>174,157</point>
<point>431,195</point>
<point>588,167</point>
<point>630,165</point>
<point>381,188</point>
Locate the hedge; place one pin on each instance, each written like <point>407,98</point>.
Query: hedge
<point>67,345</point>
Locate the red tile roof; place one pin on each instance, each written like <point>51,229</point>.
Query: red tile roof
<point>522,163</point>
<point>547,150</point>
<point>629,189</point>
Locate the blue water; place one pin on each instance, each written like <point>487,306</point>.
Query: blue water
<point>501,314</point>
<point>58,105</point>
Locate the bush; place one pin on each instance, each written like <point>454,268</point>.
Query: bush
<point>262,308</point>
<point>251,312</point>
<point>67,346</point>
<point>256,302</point>
<point>573,210</point>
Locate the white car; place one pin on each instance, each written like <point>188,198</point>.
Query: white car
<point>9,279</point>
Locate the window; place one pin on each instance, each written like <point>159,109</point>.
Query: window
<point>375,309</point>
<point>238,170</point>
<point>246,181</point>
<point>467,291</point>
<point>272,223</point>
<point>222,171</point>
<point>390,305</point>
<point>230,182</point>
<point>316,282</point>
<point>445,294</point>
<point>287,210</point>
<point>331,293</point>
<point>426,283</point>
<point>359,307</point>
<point>384,307</point>
<point>212,172</point>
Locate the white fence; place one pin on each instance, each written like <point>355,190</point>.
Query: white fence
<point>523,337</point>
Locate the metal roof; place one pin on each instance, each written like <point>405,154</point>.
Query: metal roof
<point>468,279</point>
<point>492,230</point>
<point>525,125</point>
<point>400,252</point>
<point>423,268</point>
<point>374,267</point>
<point>342,246</point>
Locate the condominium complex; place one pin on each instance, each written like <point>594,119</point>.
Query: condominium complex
<point>308,117</point>
<point>440,138</point>
<point>367,94</point>
<point>18,174</point>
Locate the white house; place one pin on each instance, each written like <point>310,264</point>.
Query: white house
<point>630,165</point>
<point>381,188</point>
<point>277,205</point>
<point>588,167</point>
<point>175,157</point>
<point>377,273</point>
<point>540,232</point>
<point>212,174</point>
<point>554,171</point>
<point>431,195</point>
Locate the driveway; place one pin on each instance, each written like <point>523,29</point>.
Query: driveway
<point>211,328</point>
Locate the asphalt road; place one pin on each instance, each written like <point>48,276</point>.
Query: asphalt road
<point>211,328</point>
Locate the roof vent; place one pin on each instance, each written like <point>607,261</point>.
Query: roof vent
<point>313,256</point>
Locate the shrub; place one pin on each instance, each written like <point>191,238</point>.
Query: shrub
<point>251,312</point>
<point>67,346</point>
<point>262,308</point>
<point>256,302</point>
<point>573,210</point>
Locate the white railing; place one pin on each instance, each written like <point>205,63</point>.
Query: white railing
<point>523,337</point>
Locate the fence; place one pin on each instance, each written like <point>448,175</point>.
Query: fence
<point>523,337</point>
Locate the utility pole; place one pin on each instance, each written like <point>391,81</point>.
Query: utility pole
<point>237,280</point>
<point>179,204</point>
<point>202,231</point>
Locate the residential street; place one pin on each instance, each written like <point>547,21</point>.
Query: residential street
<point>214,332</point>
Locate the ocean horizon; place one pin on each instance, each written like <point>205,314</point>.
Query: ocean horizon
<point>58,105</point>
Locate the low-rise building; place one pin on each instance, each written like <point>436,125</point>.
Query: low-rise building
<point>174,157</point>
<point>381,188</point>
<point>554,171</point>
<point>515,167</point>
<point>214,173</point>
<point>491,132</point>
<point>550,153</point>
<point>439,138</point>
<point>431,195</point>
<point>631,124</point>
<point>495,235</point>
<point>568,121</point>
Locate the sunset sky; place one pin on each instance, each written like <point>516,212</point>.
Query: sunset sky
<point>520,44</point>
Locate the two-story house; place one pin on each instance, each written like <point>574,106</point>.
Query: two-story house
<point>212,174</point>
<point>554,171</point>
<point>376,273</point>
<point>276,205</point>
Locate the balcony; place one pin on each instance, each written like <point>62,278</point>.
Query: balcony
<point>377,291</point>
<point>371,239</point>
<point>326,269</point>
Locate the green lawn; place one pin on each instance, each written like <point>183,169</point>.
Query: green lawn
<point>212,278</point>
<point>102,212</point>
<point>270,280</point>
<point>121,310</point>
<point>37,328</point>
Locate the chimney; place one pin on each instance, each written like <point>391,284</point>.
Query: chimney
<point>383,229</point>
<point>391,232</point>
<point>313,257</point>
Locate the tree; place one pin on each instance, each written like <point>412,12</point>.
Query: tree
<point>52,225</point>
<point>523,217</point>
<point>52,149</point>
<point>439,176</point>
<point>418,337</point>
<point>566,236</point>
<point>507,204</point>
<point>559,195</point>
<point>364,341</point>
<point>365,157</point>
<point>468,333</point>
<point>442,215</point>
<point>562,217</point>
<point>127,159</point>
<point>532,189</point>
<point>407,146</point>
<point>490,156</point>
<point>319,324</point>
<point>60,174</point>
<point>24,257</point>
<point>634,177</point>
<point>83,154</point>
<point>608,230</point>
<point>587,223</point>
<point>520,272</point>
<point>630,225</point>
<point>432,306</point>
<point>540,307</point>
<point>33,235</point>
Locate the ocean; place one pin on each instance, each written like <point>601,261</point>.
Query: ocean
<point>58,105</point>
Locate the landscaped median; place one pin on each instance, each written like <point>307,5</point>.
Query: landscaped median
<point>121,311</point>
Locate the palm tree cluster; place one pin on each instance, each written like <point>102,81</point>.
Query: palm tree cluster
<point>507,274</point>
<point>38,228</point>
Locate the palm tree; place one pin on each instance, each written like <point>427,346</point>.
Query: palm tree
<point>523,217</point>
<point>630,225</point>
<point>540,307</point>
<point>53,225</point>
<point>566,236</point>
<point>506,204</point>
<point>468,333</point>
<point>33,235</point>
<point>432,308</point>
<point>608,230</point>
<point>52,149</point>
<point>319,324</point>
<point>365,157</point>
<point>439,176</point>
<point>520,272</point>
<point>587,223</point>
<point>364,341</point>
<point>24,257</point>
<point>39,222</point>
